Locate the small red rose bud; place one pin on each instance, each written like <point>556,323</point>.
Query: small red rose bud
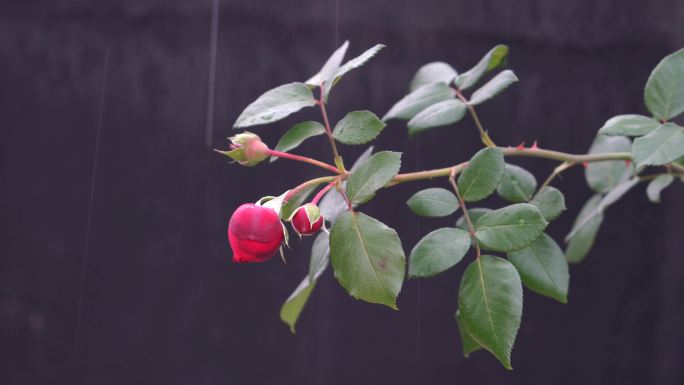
<point>255,233</point>
<point>307,220</point>
<point>247,149</point>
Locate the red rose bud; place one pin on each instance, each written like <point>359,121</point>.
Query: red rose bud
<point>247,149</point>
<point>255,233</point>
<point>307,219</point>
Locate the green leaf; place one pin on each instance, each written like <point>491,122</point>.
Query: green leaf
<point>330,67</point>
<point>320,255</point>
<point>439,114</point>
<point>432,73</point>
<point>493,87</point>
<point>483,174</point>
<point>475,214</point>
<point>611,197</point>
<point>357,61</point>
<point>438,251</point>
<point>469,344</point>
<point>296,135</point>
<point>433,202</point>
<point>372,176</point>
<point>368,258</point>
<point>362,159</point>
<point>423,97</point>
<point>543,268</point>
<point>550,202</point>
<point>584,230</point>
<point>603,176</point>
<point>493,59</point>
<point>333,204</point>
<point>657,185</point>
<point>276,104</point>
<point>615,194</point>
<point>490,303</point>
<point>358,127</point>
<point>293,306</point>
<point>629,125</point>
<point>327,73</point>
<point>510,228</point>
<point>518,185</point>
<point>664,92</point>
<point>663,145</point>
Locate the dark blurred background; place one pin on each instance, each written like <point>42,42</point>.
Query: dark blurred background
<point>161,301</point>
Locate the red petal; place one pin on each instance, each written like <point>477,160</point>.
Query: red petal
<point>256,223</point>
<point>252,251</point>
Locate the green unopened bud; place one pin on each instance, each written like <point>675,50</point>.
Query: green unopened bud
<point>247,149</point>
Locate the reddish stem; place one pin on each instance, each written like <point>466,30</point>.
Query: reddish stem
<point>344,195</point>
<point>322,192</point>
<point>307,184</point>
<point>304,159</point>
<point>328,131</point>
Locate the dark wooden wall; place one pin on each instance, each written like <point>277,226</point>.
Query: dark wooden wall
<point>163,304</point>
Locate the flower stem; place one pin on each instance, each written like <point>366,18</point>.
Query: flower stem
<point>674,173</point>
<point>518,152</point>
<point>307,184</point>
<point>428,174</point>
<point>328,132</point>
<point>304,159</point>
<point>677,167</point>
<point>461,201</point>
<point>568,161</point>
<point>483,134</point>
<point>342,192</point>
<point>556,171</point>
<point>322,192</point>
<point>565,157</point>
